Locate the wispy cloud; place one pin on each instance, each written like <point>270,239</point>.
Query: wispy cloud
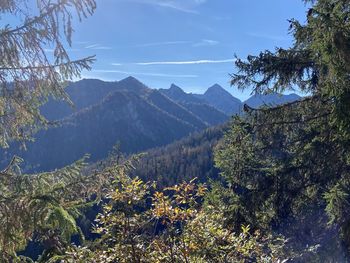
<point>206,42</point>
<point>98,46</point>
<point>91,46</point>
<point>187,6</point>
<point>165,43</point>
<point>103,48</point>
<point>269,36</point>
<point>200,43</point>
<point>145,73</point>
<point>190,62</point>
<point>51,50</point>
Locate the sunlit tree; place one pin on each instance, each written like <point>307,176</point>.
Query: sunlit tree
<point>41,204</point>
<point>29,74</point>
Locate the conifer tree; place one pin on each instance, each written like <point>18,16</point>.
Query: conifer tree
<point>28,73</point>
<point>288,166</point>
<point>39,205</point>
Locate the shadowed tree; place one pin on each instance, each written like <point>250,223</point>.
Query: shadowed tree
<point>288,166</point>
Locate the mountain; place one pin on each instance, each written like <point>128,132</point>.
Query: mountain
<point>215,96</point>
<point>199,107</point>
<point>123,117</point>
<point>177,94</point>
<point>85,93</point>
<point>131,84</point>
<point>222,100</point>
<point>258,100</point>
<point>174,109</point>
<point>125,112</point>
<point>207,113</point>
<point>183,160</point>
<point>106,113</point>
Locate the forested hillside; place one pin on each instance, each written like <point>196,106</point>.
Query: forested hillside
<point>184,160</point>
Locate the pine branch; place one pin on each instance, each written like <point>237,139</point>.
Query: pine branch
<point>5,171</point>
<point>247,108</point>
<point>303,120</point>
<point>34,19</point>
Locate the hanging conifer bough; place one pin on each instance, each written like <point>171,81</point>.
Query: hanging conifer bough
<point>289,166</point>
<point>28,75</point>
<point>39,204</point>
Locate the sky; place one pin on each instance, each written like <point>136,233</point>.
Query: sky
<point>191,43</point>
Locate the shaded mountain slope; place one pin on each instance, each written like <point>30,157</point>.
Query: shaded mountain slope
<point>122,116</point>
<point>273,99</point>
<point>207,113</point>
<point>222,100</point>
<point>177,94</point>
<point>174,109</point>
<point>85,93</point>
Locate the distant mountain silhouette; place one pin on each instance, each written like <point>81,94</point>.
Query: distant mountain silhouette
<point>106,113</point>
<point>177,94</point>
<point>215,96</point>
<point>85,93</point>
<point>125,112</point>
<point>258,100</point>
<point>131,84</point>
<point>198,106</point>
<point>221,99</point>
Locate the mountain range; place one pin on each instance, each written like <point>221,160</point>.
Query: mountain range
<point>128,113</point>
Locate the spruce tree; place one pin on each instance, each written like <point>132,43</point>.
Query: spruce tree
<point>288,166</point>
<point>42,206</point>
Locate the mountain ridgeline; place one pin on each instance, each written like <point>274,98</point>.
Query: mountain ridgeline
<point>127,113</point>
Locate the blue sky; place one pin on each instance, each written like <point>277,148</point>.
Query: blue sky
<point>187,42</point>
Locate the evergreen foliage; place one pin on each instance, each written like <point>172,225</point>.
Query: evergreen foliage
<point>43,205</point>
<point>27,74</point>
<point>38,205</point>
<point>183,160</point>
<point>287,167</point>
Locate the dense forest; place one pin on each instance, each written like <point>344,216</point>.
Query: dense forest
<point>184,160</point>
<point>281,191</point>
